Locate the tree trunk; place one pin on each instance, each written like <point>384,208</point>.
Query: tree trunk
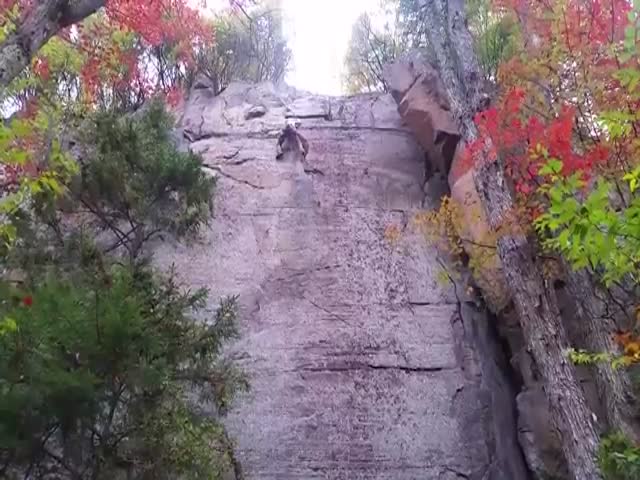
<point>41,22</point>
<point>613,385</point>
<point>535,301</point>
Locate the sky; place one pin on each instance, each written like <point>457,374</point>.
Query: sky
<point>318,32</point>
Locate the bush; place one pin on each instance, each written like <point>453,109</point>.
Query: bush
<point>134,174</point>
<point>619,458</point>
<point>101,357</point>
<point>95,375</point>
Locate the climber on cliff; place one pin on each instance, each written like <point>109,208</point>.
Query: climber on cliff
<point>292,140</point>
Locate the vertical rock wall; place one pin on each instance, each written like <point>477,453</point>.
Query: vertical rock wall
<point>357,354</point>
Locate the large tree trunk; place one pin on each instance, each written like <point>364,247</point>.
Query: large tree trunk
<point>595,325</point>
<point>41,22</point>
<point>534,299</point>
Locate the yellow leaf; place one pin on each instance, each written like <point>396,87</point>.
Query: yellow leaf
<point>632,348</point>
<point>8,325</point>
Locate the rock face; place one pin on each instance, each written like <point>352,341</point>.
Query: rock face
<point>360,362</point>
<point>422,104</point>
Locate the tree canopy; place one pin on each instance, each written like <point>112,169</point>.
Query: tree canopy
<point>394,27</point>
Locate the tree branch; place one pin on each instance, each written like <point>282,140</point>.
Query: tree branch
<point>37,27</point>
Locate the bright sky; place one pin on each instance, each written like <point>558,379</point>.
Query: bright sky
<point>318,32</point>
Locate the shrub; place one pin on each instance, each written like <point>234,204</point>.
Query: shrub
<point>618,458</point>
<point>102,357</point>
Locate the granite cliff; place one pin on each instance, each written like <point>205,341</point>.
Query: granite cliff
<point>363,362</point>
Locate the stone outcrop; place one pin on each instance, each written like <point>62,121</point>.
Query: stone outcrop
<point>363,364</point>
<point>422,104</point>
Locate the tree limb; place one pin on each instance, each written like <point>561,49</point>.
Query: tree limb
<point>38,25</point>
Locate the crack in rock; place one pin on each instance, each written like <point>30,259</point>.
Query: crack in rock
<point>458,391</point>
<point>193,137</point>
<point>306,272</point>
<point>196,137</point>
<point>357,128</point>
<point>244,135</point>
<point>314,171</point>
<point>457,473</point>
<point>324,116</point>
<point>430,304</point>
<point>372,366</point>
<point>405,217</point>
<point>372,117</point>
<point>232,155</point>
<point>243,161</point>
<point>235,179</point>
<point>328,312</point>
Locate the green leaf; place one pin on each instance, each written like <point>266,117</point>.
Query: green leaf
<point>8,325</point>
<point>552,166</point>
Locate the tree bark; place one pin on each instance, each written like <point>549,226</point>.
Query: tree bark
<point>534,300</point>
<point>613,385</point>
<point>41,22</point>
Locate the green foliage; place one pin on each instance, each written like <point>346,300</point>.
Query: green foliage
<point>495,35</point>
<point>618,458</point>
<point>20,191</point>
<point>589,229</point>
<point>247,48</point>
<point>619,124</point>
<point>370,49</point>
<point>132,184</point>
<point>102,359</point>
<point>62,56</point>
<point>630,46</point>
<point>583,357</point>
<point>8,20</point>
<point>109,363</point>
<point>134,173</point>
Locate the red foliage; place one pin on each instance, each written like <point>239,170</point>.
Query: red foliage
<point>161,21</point>
<point>27,301</point>
<point>112,66</point>
<point>554,91</point>
<point>41,68</point>
<point>516,135</point>
<point>574,23</point>
<point>174,97</point>
<point>168,22</point>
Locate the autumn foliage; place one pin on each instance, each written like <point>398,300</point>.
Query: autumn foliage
<point>559,92</point>
<point>111,50</point>
<point>565,128</point>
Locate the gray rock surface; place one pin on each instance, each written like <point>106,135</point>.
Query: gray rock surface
<point>358,360</point>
